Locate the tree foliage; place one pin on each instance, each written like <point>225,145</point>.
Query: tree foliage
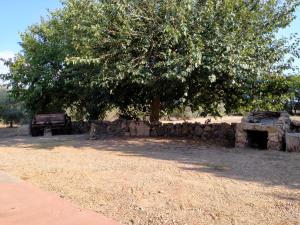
<point>154,55</point>
<point>11,111</point>
<point>294,93</point>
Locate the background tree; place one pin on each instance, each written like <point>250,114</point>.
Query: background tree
<point>11,111</point>
<point>41,79</point>
<point>294,93</point>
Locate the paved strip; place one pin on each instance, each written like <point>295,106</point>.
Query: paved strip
<point>24,204</point>
<point>6,179</point>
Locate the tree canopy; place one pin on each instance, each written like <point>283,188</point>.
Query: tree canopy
<point>294,93</point>
<point>11,110</point>
<point>154,55</point>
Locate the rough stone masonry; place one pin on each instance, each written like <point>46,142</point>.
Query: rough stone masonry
<point>219,133</point>
<point>276,124</point>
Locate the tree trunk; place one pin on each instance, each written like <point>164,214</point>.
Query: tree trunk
<point>155,109</point>
<point>11,124</point>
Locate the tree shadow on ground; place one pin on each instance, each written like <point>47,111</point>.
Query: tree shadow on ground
<point>269,168</point>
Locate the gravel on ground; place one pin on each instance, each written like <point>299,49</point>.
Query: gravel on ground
<point>150,181</point>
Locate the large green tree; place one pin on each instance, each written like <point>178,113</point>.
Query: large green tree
<point>201,53</point>
<point>154,55</point>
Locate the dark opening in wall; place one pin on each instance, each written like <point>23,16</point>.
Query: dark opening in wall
<point>257,139</point>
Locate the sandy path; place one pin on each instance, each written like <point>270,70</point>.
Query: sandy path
<point>154,182</point>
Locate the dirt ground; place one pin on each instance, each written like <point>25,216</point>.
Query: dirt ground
<point>224,119</point>
<point>156,181</point>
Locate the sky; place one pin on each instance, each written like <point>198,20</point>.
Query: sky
<point>17,15</point>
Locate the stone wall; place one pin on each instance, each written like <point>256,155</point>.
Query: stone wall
<point>220,133</point>
<point>80,127</point>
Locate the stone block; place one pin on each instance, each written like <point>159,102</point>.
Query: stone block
<point>185,129</point>
<point>273,137</point>
<point>292,142</point>
<point>207,128</point>
<point>240,144</point>
<point>248,126</point>
<point>142,129</point>
<point>274,145</point>
<point>198,130</point>
<point>296,123</point>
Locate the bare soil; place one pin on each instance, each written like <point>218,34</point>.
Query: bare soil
<point>6,132</point>
<point>160,181</point>
<point>224,119</point>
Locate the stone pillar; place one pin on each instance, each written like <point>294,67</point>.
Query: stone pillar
<point>240,136</point>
